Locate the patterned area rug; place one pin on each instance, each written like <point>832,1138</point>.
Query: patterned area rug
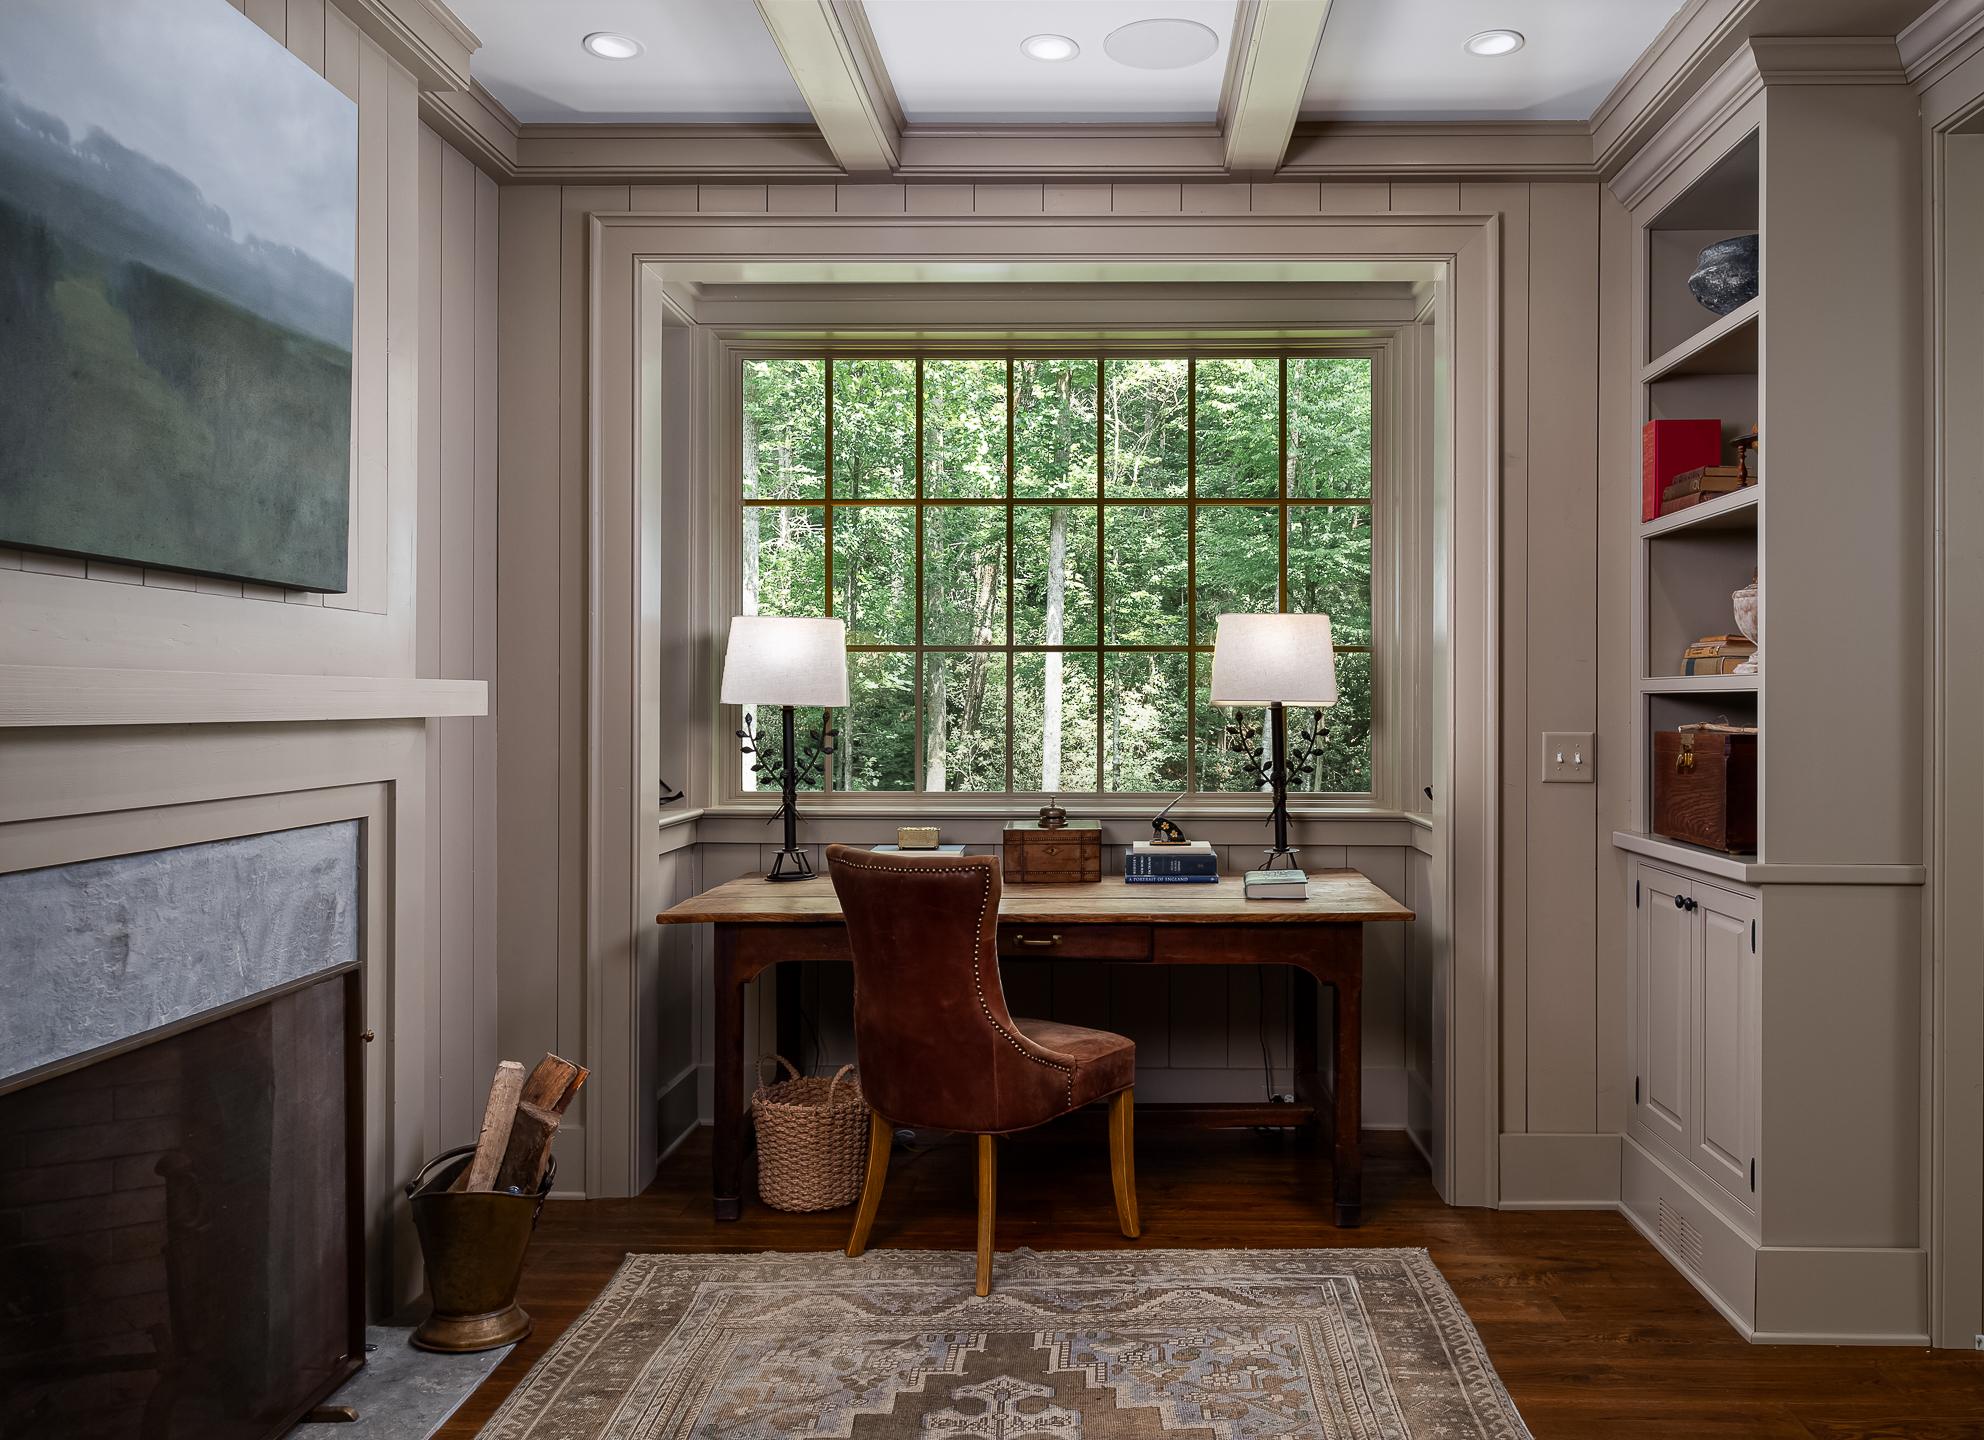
<point>1112,1345</point>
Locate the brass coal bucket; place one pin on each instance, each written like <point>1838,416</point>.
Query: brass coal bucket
<point>474,1244</point>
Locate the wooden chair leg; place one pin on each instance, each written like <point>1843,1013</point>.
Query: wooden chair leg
<point>881,1135</point>
<point>1123,1160</point>
<point>988,1189</point>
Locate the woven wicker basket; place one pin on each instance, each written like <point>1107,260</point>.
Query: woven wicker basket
<point>812,1139</point>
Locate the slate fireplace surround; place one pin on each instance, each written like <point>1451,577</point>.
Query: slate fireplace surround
<point>181,1251</point>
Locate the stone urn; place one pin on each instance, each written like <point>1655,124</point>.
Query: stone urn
<point>1749,619</point>
<point>1726,274</point>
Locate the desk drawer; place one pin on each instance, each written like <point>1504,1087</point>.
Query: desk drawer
<point>1021,940</point>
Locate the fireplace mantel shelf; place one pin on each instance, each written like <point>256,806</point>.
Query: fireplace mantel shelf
<point>52,695</point>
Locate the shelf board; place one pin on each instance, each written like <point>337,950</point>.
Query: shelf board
<point>1734,511</point>
<point>1750,870</point>
<point>1701,685</point>
<point>1726,347</point>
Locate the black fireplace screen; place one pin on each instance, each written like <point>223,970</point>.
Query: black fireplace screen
<point>178,1255</point>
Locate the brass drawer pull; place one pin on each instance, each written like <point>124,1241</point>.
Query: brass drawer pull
<point>1049,943</point>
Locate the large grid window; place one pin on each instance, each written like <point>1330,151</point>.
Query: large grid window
<point>1030,554</point>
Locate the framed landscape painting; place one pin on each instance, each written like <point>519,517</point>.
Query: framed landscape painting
<point>178,234</point>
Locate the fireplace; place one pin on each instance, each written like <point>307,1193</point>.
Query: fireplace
<point>180,1165</point>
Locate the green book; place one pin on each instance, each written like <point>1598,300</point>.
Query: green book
<point>1277,885</point>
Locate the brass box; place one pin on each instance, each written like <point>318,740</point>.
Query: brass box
<point>917,837</point>
<point>1070,852</point>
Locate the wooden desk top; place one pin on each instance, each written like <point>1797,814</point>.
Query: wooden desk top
<point>1334,896</point>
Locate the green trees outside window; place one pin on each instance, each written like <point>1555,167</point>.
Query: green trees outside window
<point>1030,553</point>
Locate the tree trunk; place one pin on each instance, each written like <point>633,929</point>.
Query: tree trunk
<point>1057,587</point>
<point>936,702</point>
<point>1057,590</point>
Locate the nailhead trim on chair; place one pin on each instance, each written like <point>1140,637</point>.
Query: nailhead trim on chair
<point>977,974</point>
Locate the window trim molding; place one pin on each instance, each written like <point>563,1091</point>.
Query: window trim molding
<point>1393,521</point>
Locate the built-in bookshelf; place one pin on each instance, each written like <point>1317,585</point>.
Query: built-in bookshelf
<point>1772,995</point>
<point>1696,364</point>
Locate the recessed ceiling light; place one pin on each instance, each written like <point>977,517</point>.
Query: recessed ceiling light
<point>608,46</point>
<point>1050,47</point>
<point>1160,44</point>
<point>1495,42</point>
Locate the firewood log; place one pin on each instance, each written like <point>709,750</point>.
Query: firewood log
<point>554,1083</point>
<point>529,1149</point>
<point>504,1090</point>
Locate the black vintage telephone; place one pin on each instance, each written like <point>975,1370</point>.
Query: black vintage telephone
<point>1165,831</point>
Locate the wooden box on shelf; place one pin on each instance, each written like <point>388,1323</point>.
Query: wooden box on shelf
<point>1033,854</point>
<point>1705,787</point>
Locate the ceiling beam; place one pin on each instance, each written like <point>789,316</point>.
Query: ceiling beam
<point>1274,48</point>
<point>832,56</point>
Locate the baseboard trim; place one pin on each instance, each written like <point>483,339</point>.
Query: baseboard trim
<point>1559,1172</point>
<point>1775,1294</point>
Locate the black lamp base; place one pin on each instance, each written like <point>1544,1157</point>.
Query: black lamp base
<point>791,865</point>
<point>1282,859</point>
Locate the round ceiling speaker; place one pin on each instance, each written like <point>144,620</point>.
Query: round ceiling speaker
<point>1161,44</point>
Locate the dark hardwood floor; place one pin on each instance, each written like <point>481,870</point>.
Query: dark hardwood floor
<point>1593,1332</point>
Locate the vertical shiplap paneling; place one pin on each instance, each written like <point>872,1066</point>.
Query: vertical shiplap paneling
<point>445,1102</point>
<point>455,777</point>
<point>1354,198</point>
<point>1618,509</point>
<point>1076,199</point>
<point>303,31</point>
<point>272,16</point>
<point>529,624</point>
<point>1560,674</point>
<point>578,202</point>
<point>1512,201</point>
<point>485,795</point>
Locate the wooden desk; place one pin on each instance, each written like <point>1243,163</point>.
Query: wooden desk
<point>759,924</point>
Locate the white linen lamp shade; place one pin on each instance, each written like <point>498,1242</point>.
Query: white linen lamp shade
<point>776,660</point>
<point>1273,659</point>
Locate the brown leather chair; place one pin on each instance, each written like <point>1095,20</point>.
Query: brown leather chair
<point>937,1046</point>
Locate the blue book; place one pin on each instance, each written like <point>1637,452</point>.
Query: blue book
<point>1139,863</point>
<point>1171,879</point>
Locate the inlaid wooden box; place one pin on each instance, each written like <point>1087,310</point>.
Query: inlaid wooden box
<point>1705,789</point>
<point>1071,852</point>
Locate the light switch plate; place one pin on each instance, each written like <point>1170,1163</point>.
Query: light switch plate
<point>1567,757</point>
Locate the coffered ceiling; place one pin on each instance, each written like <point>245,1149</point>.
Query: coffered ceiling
<point>932,89</point>
<point>960,61</point>
<point>1408,59</point>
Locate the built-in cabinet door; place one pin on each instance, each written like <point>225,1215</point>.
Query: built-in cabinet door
<point>1728,989</point>
<point>1663,965</point>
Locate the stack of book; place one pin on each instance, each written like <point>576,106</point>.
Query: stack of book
<point>1277,885</point>
<point>1716,655</point>
<point>1191,863</point>
<point>1704,482</point>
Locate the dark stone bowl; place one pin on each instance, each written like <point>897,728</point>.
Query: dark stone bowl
<point>1726,274</point>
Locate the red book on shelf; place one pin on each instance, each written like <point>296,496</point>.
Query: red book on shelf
<point>1667,447</point>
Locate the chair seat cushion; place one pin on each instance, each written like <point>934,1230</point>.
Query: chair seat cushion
<point>1104,1063</point>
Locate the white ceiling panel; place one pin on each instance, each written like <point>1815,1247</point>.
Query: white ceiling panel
<point>1407,59</point>
<point>960,61</point>
<point>703,61</point>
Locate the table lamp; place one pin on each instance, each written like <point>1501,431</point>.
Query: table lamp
<point>1276,661</point>
<point>773,660</point>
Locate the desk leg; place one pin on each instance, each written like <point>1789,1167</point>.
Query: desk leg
<point>1348,1159</point>
<point>727,1177</point>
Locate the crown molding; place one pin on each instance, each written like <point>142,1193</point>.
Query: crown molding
<point>1727,91</point>
<point>1693,48</point>
<point>477,124</point>
<point>1940,39</point>
<point>1457,150</point>
<point>423,35</point>
<point>1828,60</point>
